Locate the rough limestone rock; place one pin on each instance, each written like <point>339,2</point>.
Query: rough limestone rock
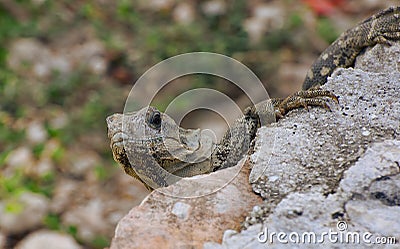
<point>163,221</point>
<point>316,171</point>
<point>319,171</point>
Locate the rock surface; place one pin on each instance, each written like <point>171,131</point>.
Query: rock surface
<point>317,171</point>
<point>48,239</point>
<point>164,221</point>
<point>335,170</point>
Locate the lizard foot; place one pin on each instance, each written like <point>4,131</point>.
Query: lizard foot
<point>388,39</point>
<point>311,97</point>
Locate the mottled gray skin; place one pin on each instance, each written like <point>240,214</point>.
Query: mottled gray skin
<point>151,147</point>
<point>379,28</point>
<point>152,137</point>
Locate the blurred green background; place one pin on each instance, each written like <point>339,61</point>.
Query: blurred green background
<point>66,65</point>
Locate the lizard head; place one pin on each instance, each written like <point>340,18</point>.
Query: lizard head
<point>150,146</point>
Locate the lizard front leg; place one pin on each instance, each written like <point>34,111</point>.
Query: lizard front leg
<point>311,97</point>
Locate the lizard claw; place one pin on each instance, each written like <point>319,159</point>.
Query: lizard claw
<point>312,97</point>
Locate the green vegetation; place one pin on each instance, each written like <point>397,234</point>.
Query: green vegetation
<point>326,30</point>
<point>53,222</point>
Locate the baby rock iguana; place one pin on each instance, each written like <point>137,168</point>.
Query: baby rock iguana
<point>174,148</point>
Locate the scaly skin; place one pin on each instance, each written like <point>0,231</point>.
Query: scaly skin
<point>156,146</point>
<point>382,27</point>
<point>152,137</point>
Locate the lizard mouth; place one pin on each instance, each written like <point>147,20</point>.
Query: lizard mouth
<point>117,147</point>
<point>118,138</point>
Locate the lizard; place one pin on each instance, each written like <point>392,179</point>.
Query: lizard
<point>164,139</point>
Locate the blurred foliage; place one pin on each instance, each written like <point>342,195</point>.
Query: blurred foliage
<point>100,242</point>
<point>19,183</point>
<point>52,222</point>
<point>326,30</point>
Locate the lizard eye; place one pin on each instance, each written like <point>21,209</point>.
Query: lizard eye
<point>155,120</point>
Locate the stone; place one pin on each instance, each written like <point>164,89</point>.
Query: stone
<point>352,205</point>
<point>164,221</point>
<point>48,239</point>
<point>88,218</point>
<point>332,171</point>
<point>36,132</point>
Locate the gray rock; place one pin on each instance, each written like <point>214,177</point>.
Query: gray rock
<point>326,170</point>
<point>380,59</point>
<point>48,239</point>
<point>169,221</point>
<point>181,210</point>
<point>87,219</point>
